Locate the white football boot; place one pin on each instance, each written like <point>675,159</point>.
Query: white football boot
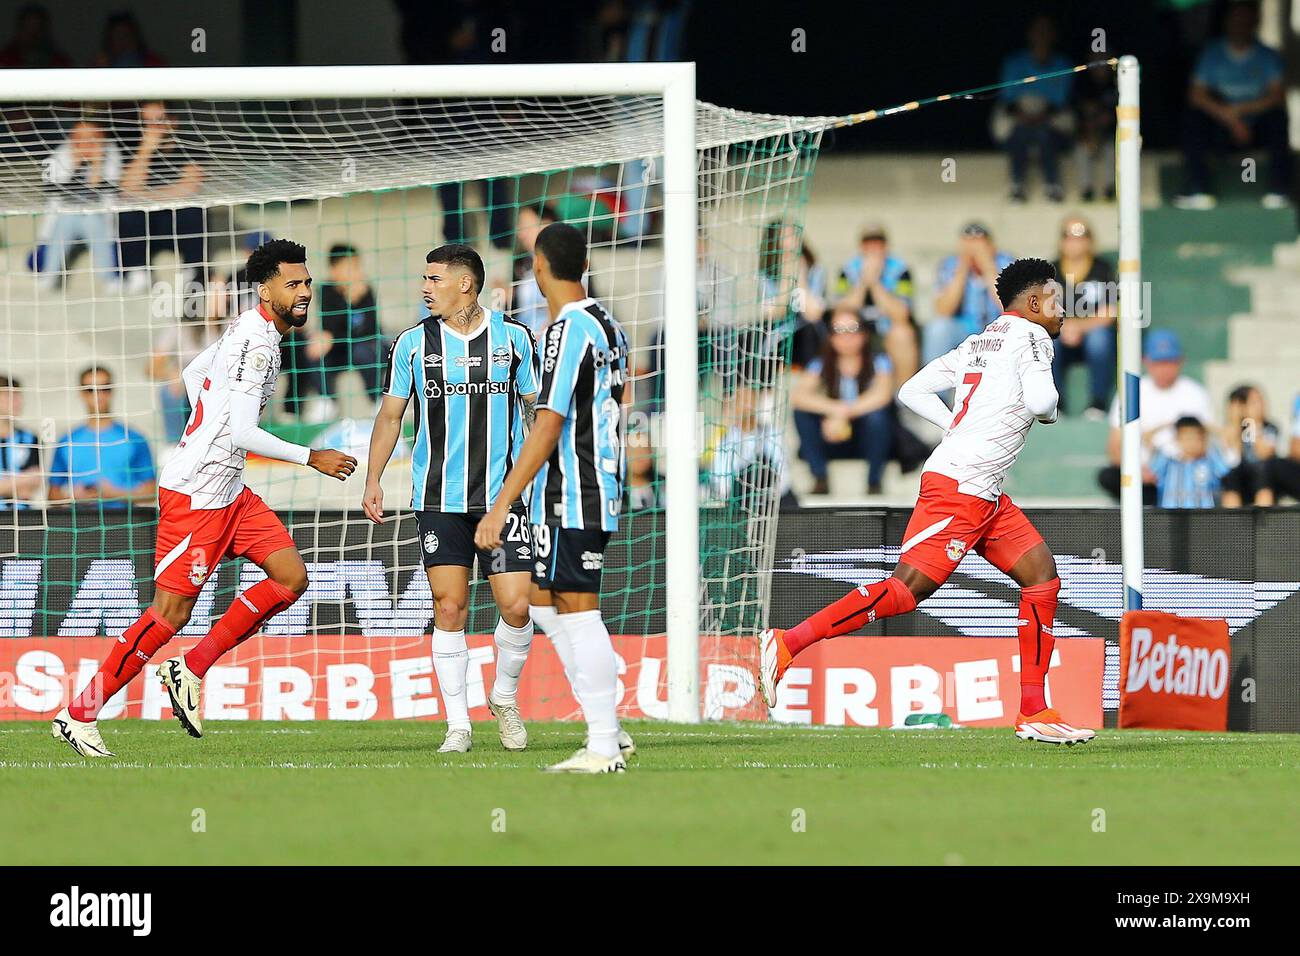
<point>183,686</point>
<point>768,665</point>
<point>510,726</point>
<point>458,741</point>
<point>81,735</point>
<point>588,761</point>
<point>625,745</point>
<point>1047,727</point>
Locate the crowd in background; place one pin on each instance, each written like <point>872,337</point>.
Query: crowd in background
<point>847,336</point>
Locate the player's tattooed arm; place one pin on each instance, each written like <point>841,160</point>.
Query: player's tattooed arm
<point>529,405</point>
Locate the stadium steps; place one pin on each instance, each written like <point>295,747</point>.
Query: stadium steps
<point>1227,281</point>
<point>1065,458</point>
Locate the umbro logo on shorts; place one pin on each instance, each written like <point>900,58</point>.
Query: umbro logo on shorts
<point>523,553</point>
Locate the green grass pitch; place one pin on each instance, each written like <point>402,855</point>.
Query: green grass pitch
<point>346,793</point>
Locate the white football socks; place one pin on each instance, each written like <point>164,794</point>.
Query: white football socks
<point>512,651</point>
<point>451,664</point>
<point>596,678</point>
<point>548,619</point>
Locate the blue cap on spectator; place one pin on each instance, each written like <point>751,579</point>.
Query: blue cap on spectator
<point>253,240</point>
<point>1163,345</point>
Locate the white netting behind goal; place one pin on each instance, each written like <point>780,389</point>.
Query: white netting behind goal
<point>166,202</point>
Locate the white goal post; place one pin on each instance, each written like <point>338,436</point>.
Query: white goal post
<point>673,82</point>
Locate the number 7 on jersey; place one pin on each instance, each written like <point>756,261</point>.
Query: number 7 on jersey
<point>973,380</point>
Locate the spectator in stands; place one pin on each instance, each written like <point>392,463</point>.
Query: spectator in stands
<point>33,45</point>
<point>842,403</point>
<point>1250,440</point>
<point>124,44</point>
<point>715,293</point>
<point>101,460</point>
<point>1164,396</point>
<point>1035,116</point>
<point>527,304</point>
<point>1236,100</point>
<point>643,488</point>
<point>1192,476</point>
<point>498,194</point>
<point>810,305</point>
<point>350,338</point>
<point>1286,470</point>
<point>793,289</point>
<point>174,347</point>
<point>966,301</point>
<point>163,170</point>
<point>20,453</point>
<point>879,286</point>
<point>1088,332</point>
<point>746,456</point>
<point>1096,96</point>
<point>80,175</point>
<point>229,292</point>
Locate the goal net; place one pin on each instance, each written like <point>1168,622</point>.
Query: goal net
<point>125,228</point>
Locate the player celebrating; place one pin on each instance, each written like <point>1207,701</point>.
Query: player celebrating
<point>575,451</point>
<point>206,513</point>
<point>1003,378</point>
<point>474,380</point>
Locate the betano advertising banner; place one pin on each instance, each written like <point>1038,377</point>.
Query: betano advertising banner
<point>1175,672</point>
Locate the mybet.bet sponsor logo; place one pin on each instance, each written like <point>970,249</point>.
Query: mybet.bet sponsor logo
<point>77,909</point>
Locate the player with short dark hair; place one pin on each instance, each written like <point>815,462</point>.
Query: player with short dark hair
<point>205,511</point>
<point>574,459</point>
<point>472,373</point>
<point>1003,378</point>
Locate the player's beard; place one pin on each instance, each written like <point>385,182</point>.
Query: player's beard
<point>292,318</point>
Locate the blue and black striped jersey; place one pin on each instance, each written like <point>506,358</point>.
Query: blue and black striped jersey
<point>584,356</point>
<point>468,418</point>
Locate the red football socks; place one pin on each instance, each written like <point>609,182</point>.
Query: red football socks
<point>1037,613</point>
<point>248,612</point>
<point>128,657</point>
<point>863,605</point>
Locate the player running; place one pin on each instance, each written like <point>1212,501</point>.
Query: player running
<point>207,514</point>
<point>473,375</point>
<point>575,451</point>
<point>1003,378</point>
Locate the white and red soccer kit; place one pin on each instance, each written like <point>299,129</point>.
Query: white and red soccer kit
<point>205,512</point>
<point>1002,379</point>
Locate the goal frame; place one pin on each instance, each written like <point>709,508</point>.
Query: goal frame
<point>674,83</point>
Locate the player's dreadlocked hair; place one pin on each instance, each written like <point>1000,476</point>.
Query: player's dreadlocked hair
<point>1021,275</point>
<point>264,263</point>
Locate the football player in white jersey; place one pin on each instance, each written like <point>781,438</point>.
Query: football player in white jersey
<point>207,514</point>
<point>1003,382</point>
